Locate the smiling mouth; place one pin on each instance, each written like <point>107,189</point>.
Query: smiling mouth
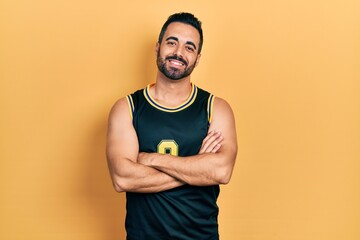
<point>176,62</point>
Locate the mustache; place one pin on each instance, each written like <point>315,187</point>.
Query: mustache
<point>176,57</point>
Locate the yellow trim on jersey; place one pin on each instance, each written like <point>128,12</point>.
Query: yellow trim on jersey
<point>164,108</point>
<point>210,107</point>
<point>131,105</point>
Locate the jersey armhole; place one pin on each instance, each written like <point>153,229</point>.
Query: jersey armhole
<point>131,106</point>
<point>210,107</point>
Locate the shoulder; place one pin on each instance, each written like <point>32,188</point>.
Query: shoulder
<point>126,104</point>
<point>119,109</point>
<point>221,104</point>
<point>222,111</point>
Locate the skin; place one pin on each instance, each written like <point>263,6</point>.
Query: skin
<point>132,171</point>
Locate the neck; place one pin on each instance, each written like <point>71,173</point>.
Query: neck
<point>171,92</point>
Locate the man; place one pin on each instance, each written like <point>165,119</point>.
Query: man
<point>171,144</point>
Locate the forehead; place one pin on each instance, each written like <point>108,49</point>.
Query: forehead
<point>182,31</point>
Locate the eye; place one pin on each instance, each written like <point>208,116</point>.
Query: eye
<point>190,48</point>
<point>170,43</point>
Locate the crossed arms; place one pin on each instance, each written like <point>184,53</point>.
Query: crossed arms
<point>132,171</point>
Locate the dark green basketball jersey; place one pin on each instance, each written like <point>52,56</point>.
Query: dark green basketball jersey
<point>183,213</point>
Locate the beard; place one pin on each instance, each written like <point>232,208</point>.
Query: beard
<point>171,72</point>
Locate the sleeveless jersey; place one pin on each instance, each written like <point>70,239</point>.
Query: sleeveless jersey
<point>186,212</point>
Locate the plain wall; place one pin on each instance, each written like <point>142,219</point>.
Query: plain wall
<point>289,69</point>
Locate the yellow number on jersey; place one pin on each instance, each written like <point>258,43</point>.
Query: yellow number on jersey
<point>168,147</point>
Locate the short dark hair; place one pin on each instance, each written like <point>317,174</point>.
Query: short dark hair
<point>186,18</point>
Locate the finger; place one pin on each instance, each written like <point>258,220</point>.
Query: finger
<point>215,145</point>
<point>205,141</point>
<point>208,140</point>
<point>208,136</point>
<point>216,148</point>
<point>211,142</point>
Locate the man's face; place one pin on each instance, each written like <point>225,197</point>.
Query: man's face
<point>177,55</point>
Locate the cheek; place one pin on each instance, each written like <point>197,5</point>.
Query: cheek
<point>192,61</point>
<point>164,51</point>
<point>163,55</point>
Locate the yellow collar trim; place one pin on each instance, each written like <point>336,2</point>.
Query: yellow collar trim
<point>161,107</point>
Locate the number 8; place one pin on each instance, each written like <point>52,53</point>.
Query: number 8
<point>168,147</point>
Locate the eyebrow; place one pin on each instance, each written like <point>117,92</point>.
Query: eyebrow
<point>176,39</point>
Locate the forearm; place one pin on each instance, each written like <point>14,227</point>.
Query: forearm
<point>129,176</point>
<point>200,170</point>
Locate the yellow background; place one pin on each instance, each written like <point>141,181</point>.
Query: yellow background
<point>290,70</point>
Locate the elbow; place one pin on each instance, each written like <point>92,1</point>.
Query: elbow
<point>224,175</point>
<point>225,170</point>
<point>118,188</point>
<point>224,180</point>
<point>119,185</point>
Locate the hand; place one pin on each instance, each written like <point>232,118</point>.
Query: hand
<point>211,143</point>
<point>142,158</point>
<point>145,158</point>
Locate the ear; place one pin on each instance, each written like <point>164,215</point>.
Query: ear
<point>197,59</point>
<point>157,48</point>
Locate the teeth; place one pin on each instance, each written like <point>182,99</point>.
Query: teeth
<point>177,63</point>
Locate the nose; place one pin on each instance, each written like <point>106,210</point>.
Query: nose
<point>179,51</point>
